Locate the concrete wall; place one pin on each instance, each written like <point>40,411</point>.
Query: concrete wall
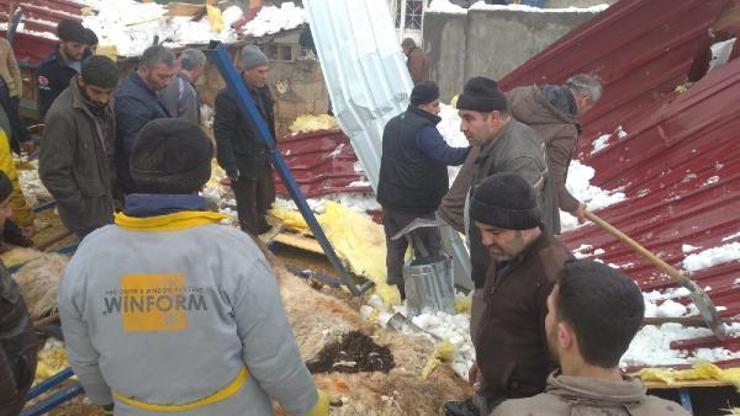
<point>445,40</point>
<point>491,43</point>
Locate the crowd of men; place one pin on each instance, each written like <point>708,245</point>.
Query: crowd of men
<point>548,330</point>
<point>164,310</point>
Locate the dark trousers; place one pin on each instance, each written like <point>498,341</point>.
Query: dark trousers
<point>253,198</point>
<point>393,222</point>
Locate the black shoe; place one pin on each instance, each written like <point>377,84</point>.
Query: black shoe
<point>461,408</point>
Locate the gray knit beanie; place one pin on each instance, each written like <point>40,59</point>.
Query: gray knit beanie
<point>251,57</point>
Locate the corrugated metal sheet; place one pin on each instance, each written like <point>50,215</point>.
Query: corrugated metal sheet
<point>679,164</point>
<point>322,162</point>
<point>39,16</point>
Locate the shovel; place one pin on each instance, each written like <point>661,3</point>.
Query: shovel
<point>700,298</point>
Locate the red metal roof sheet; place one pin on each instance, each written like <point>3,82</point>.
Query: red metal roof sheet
<point>679,164</point>
<point>322,162</point>
<point>39,16</point>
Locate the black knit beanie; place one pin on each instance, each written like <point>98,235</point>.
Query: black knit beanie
<point>71,31</point>
<point>506,201</point>
<point>6,187</point>
<point>171,156</point>
<point>424,93</point>
<point>482,94</point>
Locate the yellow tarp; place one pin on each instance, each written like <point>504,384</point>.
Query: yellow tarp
<point>701,371</point>
<point>357,240</point>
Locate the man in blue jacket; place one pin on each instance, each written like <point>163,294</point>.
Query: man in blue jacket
<point>54,75</point>
<point>137,104</point>
<point>413,176</point>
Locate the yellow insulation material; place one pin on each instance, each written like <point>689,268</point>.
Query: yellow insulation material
<point>51,361</point>
<point>357,240</point>
<point>215,18</point>
<point>701,371</point>
<point>463,305</point>
<point>308,123</point>
<point>443,352</point>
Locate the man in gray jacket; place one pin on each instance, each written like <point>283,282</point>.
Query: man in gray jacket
<point>169,312</point>
<point>506,146</point>
<point>76,158</point>
<point>181,97</point>
<point>593,313</point>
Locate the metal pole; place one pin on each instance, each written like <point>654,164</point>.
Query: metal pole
<point>49,383</point>
<point>54,401</point>
<point>249,110</point>
<point>14,25</point>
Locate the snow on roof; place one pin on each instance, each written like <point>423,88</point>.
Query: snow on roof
<point>444,6</point>
<point>523,8</point>
<point>275,19</point>
<point>131,26</point>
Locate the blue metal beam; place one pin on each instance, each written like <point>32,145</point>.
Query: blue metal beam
<point>49,383</point>
<point>234,81</point>
<point>14,25</point>
<point>45,406</point>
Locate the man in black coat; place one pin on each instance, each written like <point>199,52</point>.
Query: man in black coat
<point>241,152</point>
<point>54,75</point>
<point>18,343</point>
<point>413,177</point>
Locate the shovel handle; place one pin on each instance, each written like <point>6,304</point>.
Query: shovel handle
<point>671,271</point>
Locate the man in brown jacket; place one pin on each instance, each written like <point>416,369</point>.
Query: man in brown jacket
<point>594,312</point>
<point>416,61</point>
<point>510,343</point>
<point>18,344</point>
<point>552,110</point>
<point>76,158</point>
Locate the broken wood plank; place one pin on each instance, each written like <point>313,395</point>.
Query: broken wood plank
<point>299,242</point>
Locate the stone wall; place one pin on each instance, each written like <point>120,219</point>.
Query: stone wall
<point>490,43</point>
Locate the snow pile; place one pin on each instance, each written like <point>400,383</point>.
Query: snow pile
<point>444,6</point>
<point>651,346</point>
<point>274,19</point>
<point>453,328</point>
<point>712,257</point>
<point>731,237</point>
<point>602,142</point>
<point>524,8</point>
<point>21,28</point>
<point>579,185</point>
<point>356,201</point>
<point>449,128</point>
<point>131,27</point>
<point>667,309</point>
<point>35,192</point>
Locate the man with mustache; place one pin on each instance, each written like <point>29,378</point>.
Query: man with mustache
<point>525,261</point>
